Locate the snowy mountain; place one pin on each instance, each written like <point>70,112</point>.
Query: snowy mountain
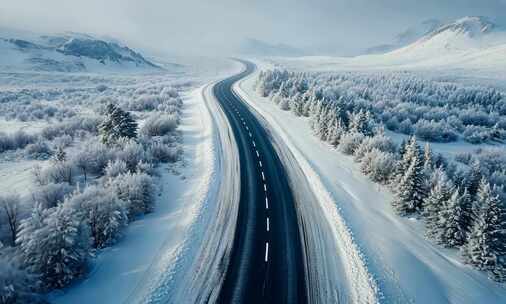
<point>408,36</point>
<point>463,35</point>
<point>255,47</point>
<point>68,52</point>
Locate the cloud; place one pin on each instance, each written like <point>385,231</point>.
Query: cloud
<point>217,26</point>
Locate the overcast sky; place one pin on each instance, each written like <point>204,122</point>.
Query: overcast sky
<point>215,25</point>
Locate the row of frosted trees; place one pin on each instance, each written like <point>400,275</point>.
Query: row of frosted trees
<point>461,205</point>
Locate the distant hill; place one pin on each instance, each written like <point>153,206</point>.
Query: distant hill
<point>68,52</point>
<point>255,47</point>
<point>407,36</point>
<point>464,35</point>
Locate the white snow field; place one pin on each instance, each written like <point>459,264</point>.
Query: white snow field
<point>386,255</point>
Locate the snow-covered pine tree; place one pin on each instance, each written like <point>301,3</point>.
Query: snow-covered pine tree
<point>60,155</point>
<point>453,232</point>
<point>435,203</point>
<point>402,147</point>
<point>127,126</point>
<point>474,178</point>
<point>58,250</point>
<point>27,229</point>
<point>467,211</point>
<point>360,122</point>
<point>411,187</point>
<point>486,245</point>
<point>334,133</point>
<point>428,163</point>
<point>117,124</point>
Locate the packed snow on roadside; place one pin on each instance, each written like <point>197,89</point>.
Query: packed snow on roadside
<point>404,264</point>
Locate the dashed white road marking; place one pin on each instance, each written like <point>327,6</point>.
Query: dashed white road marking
<point>265,188</point>
<point>267,223</point>
<point>254,144</point>
<point>247,128</point>
<point>250,135</point>
<point>266,203</point>
<point>266,251</point>
<point>263,176</point>
<point>260,163</point>
<point>244,123</point>
<point>258,155</point>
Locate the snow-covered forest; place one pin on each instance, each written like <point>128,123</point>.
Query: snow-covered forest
<point>92,170</point>
<point>461,200</point>
<point>403,102</point>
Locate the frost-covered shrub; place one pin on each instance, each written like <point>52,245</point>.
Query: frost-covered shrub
<point>104,212</point>
<point>406,127</point>
<point>137,190</point>
<point>350,142</point>
<point>378,165</point>
<point>160,152</point>
<point>73,127</point>
<point>379,141</point>
<point>159,125</point>
<point>478,135</point>
<point>55,244</point>
<point>464,157</point>
<point>132,153</point>
<point>434,131</point>
<point>63,141</point>
<point>57,173</point>
<point>94,158</point>
<point>38,150</point>
<point>51,194</point>
<point>115,168</point>
<point>16,140</point>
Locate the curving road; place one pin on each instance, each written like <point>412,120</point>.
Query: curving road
<point>267,260</point>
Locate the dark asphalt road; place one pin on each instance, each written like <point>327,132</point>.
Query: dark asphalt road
<point>267,262</point>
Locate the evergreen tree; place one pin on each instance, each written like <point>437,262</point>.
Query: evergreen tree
<point>467,211</point>
<point>411,186</point>
<point>58,249</point>
<point>474,179</point>
<point>60,155</point>
<point>428,163</point>
<point>486,245</point>
<point>452,221</point>
<point>117,124</point>
<point>360,123</point>
<point>435,203</point>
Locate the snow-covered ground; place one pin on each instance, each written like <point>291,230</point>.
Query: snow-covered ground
<point>176,250</point>
<point>122,270</point>
<point>406,267</point>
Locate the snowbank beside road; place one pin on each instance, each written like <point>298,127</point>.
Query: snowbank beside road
<point>406,267</point>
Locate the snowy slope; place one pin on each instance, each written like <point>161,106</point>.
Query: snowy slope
<point>408,36</point>
<point>472,44</point>
<point>406,267</point>
<point>68,52</point>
